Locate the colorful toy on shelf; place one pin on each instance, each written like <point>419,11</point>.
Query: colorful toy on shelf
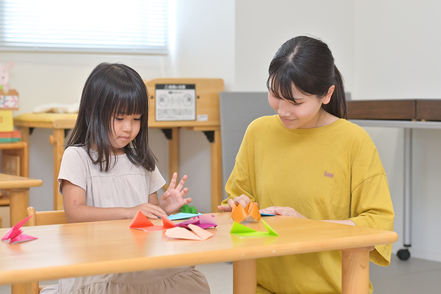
<point>4,76</point>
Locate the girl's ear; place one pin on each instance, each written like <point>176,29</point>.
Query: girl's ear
<point>327,98</point>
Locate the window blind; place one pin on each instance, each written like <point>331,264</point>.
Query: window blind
<point>129,26</point>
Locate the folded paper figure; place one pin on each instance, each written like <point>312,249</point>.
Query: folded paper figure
<point>203,221</point>
<point>182,215</point>
<point>244,231</point>
<point>15,235</point>
<point>141,222</point>
<point>249,213</point>
<point>192,233</point>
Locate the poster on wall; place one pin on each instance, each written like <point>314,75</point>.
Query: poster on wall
<point>175,102</point>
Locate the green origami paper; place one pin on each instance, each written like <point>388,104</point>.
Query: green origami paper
<point>244,231</point>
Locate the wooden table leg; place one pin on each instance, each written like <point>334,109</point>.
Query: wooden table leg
<point>19,202</point>
<point>57,140</point>
<point>245,277</point>
<point>173,153</point>
<point>19,289</point>
<point>355,270</point>
<point>216,171</point>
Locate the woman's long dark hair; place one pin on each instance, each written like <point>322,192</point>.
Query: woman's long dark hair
<point>112,90</point>
<point>308,64</point>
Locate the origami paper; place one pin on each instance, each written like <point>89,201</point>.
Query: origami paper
<point>183,215</point>
<point>244,231</point>
<point>266,214</point>
<point>195,233</point>
<point>14,235</point>
<point>203,221</point>
<point>141,222</point>
<point>249,213</point>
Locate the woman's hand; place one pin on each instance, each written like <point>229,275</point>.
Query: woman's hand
<point>173,199</point>
<point>279,210</point>
<point>148,209</point>
<point>242,199</point>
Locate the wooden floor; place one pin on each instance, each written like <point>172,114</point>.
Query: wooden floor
<point>401,277</point>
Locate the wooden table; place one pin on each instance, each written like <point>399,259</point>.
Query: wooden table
<point>18,188</point>
<point>80,249</point>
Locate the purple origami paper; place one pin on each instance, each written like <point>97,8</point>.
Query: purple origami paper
<point>203,221</point>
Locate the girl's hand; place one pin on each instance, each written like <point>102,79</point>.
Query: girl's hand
<point>279,210</point>
<point>242,199</point>
<point>173,199</point>
<point>148,209</point>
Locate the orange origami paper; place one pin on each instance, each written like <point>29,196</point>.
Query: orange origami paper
<point>141,222</point>
<point>249,213</point>
<point>195,233</point>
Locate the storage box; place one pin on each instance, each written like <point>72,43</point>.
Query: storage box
<point>399,109</point>
<point>6,121</point>
<point>9,100</point>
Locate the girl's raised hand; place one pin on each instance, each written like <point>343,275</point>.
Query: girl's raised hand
<point>279,210</point>
<point>242,199</point>
<point>173,199</point>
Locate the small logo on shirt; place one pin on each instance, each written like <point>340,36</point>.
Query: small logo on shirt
<point>329,175</point>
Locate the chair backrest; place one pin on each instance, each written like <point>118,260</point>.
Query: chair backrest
<point>41,218</point>
<point>237,111</point>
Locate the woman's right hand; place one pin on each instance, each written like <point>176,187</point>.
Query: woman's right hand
<point>242,199</point>
<point>148,209</point>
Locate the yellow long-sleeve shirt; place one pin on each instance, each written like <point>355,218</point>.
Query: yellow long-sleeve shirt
<point>328,173</point>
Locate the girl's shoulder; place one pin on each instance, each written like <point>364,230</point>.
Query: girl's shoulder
<point>75,152</point>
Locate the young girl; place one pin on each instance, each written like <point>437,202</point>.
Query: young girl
<point>108,172</point>
<point>309,162</point>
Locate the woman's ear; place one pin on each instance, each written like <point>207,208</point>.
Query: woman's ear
<point>328,95</point>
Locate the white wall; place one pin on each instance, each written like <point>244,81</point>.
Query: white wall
<point>384,49</point>
<point>397,56</point>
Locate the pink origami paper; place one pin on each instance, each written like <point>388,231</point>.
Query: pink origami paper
<point>194,233</point>
<point>141,222</point>
<point>203,221</point>
<point>14,235</point>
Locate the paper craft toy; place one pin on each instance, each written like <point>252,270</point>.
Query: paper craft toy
<point>194,233</point>
<point>183,215</point>
<point>14,235</point>
<point>203,221</point>
<point>141,222</point>
<point>249,213</point>
<point>244,231</point>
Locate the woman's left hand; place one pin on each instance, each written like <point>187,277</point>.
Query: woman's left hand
<point>173,199</point>
<point>279,210</point>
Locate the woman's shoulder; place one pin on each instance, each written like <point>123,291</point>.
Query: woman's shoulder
<point>262,121</point>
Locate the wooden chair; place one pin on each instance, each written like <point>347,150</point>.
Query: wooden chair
<point>41,218</point>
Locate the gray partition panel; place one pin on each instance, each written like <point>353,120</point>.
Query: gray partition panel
<point>237,110</point>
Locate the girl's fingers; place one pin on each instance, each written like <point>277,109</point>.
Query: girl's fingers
<point>181,183</point>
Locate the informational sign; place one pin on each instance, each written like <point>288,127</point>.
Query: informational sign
<point>175,102</point>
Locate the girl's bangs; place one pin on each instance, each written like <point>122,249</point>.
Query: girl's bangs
<point>130,103</point>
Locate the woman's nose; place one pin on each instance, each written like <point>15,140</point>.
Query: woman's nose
<point>283,109</point>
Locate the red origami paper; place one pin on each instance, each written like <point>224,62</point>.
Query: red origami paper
<point>14,235</point>
<point>141,222</point>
